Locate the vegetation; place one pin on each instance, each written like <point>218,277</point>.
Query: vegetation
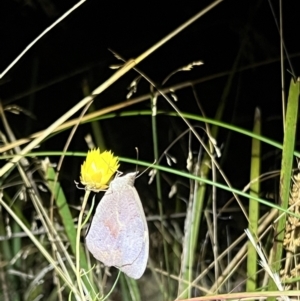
<point>223,224</point>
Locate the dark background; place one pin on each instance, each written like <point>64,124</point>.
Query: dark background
<point>48,80</point>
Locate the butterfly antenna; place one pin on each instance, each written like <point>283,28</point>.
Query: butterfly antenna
<point>137,159</point>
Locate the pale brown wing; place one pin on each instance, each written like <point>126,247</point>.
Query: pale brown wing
<point>137,267</point>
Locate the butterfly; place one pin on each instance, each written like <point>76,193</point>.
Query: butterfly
<point>118,235</point>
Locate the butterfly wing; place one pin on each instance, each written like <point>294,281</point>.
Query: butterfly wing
<point>138,232</point>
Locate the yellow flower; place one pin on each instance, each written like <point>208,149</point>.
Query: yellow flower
<point>97,169</point>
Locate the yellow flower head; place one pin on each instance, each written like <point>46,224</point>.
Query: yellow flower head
<point>97,169</point>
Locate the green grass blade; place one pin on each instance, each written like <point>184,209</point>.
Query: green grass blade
<point>199,197</point>
<point>158,185</point>
<point>68,223</point>
<point>253,204</point>
<point>286,172</point>
<point>96,127</point>
<point>65,214</point>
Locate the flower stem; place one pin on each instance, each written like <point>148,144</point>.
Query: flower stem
<point>79,227</point>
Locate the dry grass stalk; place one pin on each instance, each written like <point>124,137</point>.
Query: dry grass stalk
<point>291,239</point>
